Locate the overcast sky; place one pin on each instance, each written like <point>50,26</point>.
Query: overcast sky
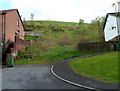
<point>60,10</point>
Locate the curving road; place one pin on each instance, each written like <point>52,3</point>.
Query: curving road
<point>32,77</point>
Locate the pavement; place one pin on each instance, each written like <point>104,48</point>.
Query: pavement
<point>63,71</point>
<point>29,77</point>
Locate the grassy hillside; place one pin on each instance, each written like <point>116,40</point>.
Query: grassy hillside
<point>52,22</point>
<point>84,32</point>
<point>63,36</point>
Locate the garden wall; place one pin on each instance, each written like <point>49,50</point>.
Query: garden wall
<point>19,44</point>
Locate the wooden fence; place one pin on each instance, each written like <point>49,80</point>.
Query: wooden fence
<point>95,46</point>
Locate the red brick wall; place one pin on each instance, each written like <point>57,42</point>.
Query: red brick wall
<point>0,28</point>
<point>0,24</point>
<point>20,44</point>
<point>11,26</point>
<point>0,39</point>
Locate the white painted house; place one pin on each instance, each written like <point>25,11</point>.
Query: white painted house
<point>111,26</point>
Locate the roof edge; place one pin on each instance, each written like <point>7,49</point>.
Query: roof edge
<point>5,11</point>
<point>107,17</point>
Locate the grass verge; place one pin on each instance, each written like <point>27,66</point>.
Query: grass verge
<point>101,67</point>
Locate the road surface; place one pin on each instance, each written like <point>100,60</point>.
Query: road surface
<point>32,77</point>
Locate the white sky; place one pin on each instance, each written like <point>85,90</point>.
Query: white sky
<point>61,10</point>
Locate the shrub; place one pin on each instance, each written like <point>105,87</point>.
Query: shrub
<point>56,28</point>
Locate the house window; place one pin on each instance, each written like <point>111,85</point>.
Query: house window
<point>113,27</point>
<point>18,22</point>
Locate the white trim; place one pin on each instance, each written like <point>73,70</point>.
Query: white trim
<point>72,82</point>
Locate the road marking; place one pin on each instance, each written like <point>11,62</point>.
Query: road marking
<point>72,82</point>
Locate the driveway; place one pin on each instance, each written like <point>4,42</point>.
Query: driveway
<point>32,77</point>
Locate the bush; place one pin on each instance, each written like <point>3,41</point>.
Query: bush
<point>30,37</point>
<point>56,28</point>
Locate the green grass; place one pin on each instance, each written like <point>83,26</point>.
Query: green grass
<point>52,22</point>
<point>30,37</point>
<point>54,54</point>
<point>58,42</point>
<point>102,67</point>
<point>85,32</point>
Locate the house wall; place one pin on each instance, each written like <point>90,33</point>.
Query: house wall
<point>0,38</point>
<point>11,27</point>
<point>110,33</point>
<point>0,26</point>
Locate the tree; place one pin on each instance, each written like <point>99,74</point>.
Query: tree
<point>81,21</point>
<point>24,19</point>
<point>99,23</point>
<point>31,16</point>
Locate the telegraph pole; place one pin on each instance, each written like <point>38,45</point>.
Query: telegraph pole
<point>48,17</point>
<point>118,20</point>
<point>117,17</point>
<point>118,44</point>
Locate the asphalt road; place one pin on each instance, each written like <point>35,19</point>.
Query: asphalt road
<point>31,77</point>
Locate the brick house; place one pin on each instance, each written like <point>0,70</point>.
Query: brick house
<point>11,30</point>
